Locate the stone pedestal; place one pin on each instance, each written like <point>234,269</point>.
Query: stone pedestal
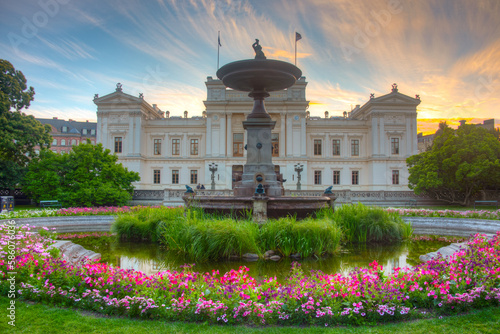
<point>259,167</point>
<point>259,210</point>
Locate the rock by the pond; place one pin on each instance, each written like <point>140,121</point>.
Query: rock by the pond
<point>234,257</point>
<point>295,256</point>
<point>250,257</point>
<point>73,253</point>
<point>275,258</point>
<point>445,252</point>
<point>268,254</point>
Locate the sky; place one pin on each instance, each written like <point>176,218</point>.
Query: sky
<point>447,51</point>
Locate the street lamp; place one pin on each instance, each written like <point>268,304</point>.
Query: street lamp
<point>213,168</point>
<point>298,168</point>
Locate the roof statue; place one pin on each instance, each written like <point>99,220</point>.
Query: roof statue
<point>258,50</point>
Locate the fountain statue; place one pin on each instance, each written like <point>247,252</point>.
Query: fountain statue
<point>260,76</point>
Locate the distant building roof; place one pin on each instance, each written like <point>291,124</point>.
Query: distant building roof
<point>72,127</point>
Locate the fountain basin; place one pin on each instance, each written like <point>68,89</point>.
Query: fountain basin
<point>254,75</point>
<point>275,207</point>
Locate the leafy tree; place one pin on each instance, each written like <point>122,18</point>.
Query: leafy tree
<point>460,164</point>
<point>86,176</point>
<point>19,133</point>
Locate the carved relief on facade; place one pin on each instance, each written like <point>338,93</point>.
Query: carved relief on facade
<point>296,94</point>
<point>118,118</point>
<point>216,94</point>
<point>394,119</point>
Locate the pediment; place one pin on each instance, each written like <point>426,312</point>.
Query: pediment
<point>395,98</point>
<point>118,98</point>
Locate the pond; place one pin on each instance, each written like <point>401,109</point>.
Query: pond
<point>151,258</point>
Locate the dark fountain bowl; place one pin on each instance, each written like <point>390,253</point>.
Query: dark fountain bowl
<point>266,75</point>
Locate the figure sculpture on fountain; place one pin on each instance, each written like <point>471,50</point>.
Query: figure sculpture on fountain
<point>258,50</point>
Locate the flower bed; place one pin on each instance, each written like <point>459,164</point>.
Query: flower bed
<point>103,210</point>
<point>470,280</point>
<point>473,214</point>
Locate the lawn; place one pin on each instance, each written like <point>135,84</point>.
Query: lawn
<point>38,318</point>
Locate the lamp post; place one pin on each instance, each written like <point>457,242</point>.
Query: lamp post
<point>213,168</point>
<point>299,168</point>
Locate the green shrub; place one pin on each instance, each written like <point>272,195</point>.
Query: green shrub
<point>144,223</point>
<point>361,223</point>
<point>307,237</point>
<point>203,237</point>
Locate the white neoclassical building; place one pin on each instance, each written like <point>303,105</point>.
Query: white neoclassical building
<point>363,151</point>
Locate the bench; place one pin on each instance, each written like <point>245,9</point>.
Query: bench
<point>50,204</point>
<point>411,203</point>
<point>485,203</point>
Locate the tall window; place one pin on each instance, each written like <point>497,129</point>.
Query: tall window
<point>118,144</point>
<point>73,142</point>
<point>194,146</point>
<point>92,132</point>
<point>54,142</point>
<point>175,176</point>
<point>84,131</point>
<point>237,144</point>
<point>317,177</point>
<point>63,142</point>
<point>176,146</point>
<point>336,147</point>
<point>394,145</point>
<point>336,177</point>
<point>275,144</point>
<point>156,176</point>
<point>395,177</point>
<point>64,129</point>
<point>317,146</point>
<point>157,146</point>
<point>194,177</point>
<point>355,177</point>
<point>355,147</point>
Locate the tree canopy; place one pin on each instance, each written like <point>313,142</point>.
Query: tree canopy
<point>460,163</point>
<point>19,133</point>
<point>86,176</point>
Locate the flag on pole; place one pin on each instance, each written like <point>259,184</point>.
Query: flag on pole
<point>297,38</point>
<point>218,47</point>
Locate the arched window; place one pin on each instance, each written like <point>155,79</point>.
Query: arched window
<point>63,142</point>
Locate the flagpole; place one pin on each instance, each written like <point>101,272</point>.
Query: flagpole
<point>218,47</point>
<point>295,50</point>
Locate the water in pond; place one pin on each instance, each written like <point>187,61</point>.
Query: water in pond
<point>151,258</point>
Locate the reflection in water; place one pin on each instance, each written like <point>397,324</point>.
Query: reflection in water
<point>151,259</point>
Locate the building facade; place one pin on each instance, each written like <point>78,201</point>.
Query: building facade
<point>65,134</point>
<point>365,150</point>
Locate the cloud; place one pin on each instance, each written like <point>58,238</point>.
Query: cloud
<point>71,49</point>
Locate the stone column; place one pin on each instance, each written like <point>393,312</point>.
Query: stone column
<point>208,144</point>
<point>375,143</point>
<point>382,136</point>
<point>289,136</point>
<point>222,136</point>
<point>282,137</point>
<point>229,141</point>
<point>303,138</point>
